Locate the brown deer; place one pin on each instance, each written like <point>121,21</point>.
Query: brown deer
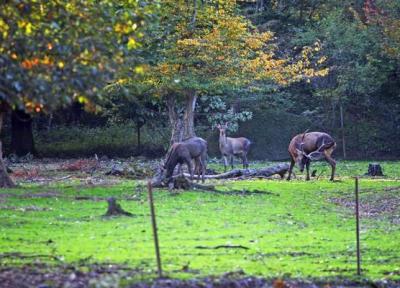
<point>307,147</point>
<point>183,153</point>
<point>230,147</point>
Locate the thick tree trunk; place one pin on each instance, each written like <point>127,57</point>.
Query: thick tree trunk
<point>182,125</point>
<point>174,120</point>
<point>188,117</point>
<point>21,133</point>
<point>5,180</point>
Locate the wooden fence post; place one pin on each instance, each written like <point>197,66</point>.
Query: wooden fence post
<point>154,225</point>
<point>357,229</point>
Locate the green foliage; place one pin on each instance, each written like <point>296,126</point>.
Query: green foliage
<point>292,229</point>
<point>216,112</point>
<point>51,53</point>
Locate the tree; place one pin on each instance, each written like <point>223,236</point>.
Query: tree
<point>355,39</point>
<point>57,52</point>
<point>210,49</point>
<point>127,103</point>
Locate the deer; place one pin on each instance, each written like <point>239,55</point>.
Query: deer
<point>311,146</point>
<point>230,147</point>
<point>193,148</point>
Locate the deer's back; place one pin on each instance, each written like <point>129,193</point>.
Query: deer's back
<point>312,141</point>
<point>196,146</point>
<point>236,145</point>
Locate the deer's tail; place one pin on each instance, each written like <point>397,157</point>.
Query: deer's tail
<point>247,144</point>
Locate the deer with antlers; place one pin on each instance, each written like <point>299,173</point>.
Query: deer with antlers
<point>311,146</point>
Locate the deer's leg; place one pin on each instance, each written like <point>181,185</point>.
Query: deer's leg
<point>290,169</point>
<point>190,168</point>
<point>232,161</point>
<point>332,162</point>
<point>245,163</point>
<point>203,161</point>
<point>197,162</point>
<point>180,170</point>
<point>308,169</point>
<point>225,162</point>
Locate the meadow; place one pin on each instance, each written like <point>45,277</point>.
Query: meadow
<point>261,227</point>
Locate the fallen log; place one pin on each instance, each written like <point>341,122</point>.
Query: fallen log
<point>179,182</point>
<point>223,246</point>
<point>279,169</point>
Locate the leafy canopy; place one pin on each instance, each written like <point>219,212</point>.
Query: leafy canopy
<point>215,49</point>
<point>56,52</point>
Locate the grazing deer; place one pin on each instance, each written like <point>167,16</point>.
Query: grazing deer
<point>183,153</point>
<point>230,147</point>
<point>310,146</point>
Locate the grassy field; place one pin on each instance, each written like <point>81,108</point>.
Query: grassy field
<point>293,229</point>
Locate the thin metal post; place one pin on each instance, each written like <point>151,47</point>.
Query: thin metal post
<point>154,225</point>
<point>357,229</point>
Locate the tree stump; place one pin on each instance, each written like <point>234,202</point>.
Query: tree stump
<point>374,169</point>
<point>114,209</point>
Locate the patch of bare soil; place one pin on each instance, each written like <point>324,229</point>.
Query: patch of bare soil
<point>63,276</point>
<point>89,171</point>
<point>114,275</point>
<point>25,208</point>
<point>376,204</point>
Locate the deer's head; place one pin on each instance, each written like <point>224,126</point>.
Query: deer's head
<point>222,129</point>
<point>302,158</point>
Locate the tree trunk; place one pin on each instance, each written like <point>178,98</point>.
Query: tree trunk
<point>342,129</point>
<point>174,120</point>
<point>182,126</point>
<point>188,117</point>
<point>138,127</point>
<point>21,133</point>
<point>302,10</point>
<point>5,180</point>
<point>194,15</point>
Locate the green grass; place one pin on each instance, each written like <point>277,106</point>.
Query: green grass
<point>292,229</point>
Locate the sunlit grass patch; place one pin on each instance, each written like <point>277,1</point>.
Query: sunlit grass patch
<point>266,227</point>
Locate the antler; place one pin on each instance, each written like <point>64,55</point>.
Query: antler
<point>316,155</point>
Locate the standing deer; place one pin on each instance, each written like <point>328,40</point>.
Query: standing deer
<point>230,147</point>
<point>183,153</point>
<point>310,146</point>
